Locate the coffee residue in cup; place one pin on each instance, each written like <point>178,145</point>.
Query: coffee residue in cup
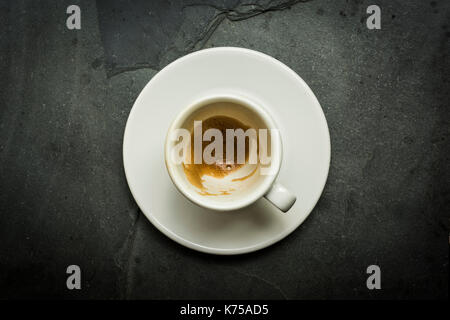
<point>219,169</point>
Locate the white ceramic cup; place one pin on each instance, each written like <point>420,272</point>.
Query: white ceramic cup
<point>263,185</point>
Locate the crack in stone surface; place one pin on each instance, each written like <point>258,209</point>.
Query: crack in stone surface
<point>151,34</point>
<point>247,10</point>
<point>267,282</point>
<point>124,256</point>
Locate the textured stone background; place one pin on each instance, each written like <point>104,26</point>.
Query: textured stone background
<point>65,96</point>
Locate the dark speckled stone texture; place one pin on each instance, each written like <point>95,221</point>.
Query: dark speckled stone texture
<point>65,96</point>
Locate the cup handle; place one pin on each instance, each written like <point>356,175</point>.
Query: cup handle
<point>280,197</point>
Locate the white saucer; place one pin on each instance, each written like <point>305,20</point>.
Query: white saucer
<point>304,132</point>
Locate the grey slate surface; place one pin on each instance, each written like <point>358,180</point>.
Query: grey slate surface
<point>65,96</point>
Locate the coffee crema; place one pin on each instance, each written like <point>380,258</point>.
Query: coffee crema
<point>221,168</point>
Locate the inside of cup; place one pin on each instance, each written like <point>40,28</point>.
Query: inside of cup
<point>249,181</point>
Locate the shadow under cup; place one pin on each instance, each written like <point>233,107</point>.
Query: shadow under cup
<point>248,180</point>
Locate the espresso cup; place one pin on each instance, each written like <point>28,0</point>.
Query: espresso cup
<point>251,181</point>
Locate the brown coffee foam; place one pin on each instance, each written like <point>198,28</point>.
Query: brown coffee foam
<point>195,172</point>
<point>220,115</point>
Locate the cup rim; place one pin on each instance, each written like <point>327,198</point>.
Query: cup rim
<point>263,188</point>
